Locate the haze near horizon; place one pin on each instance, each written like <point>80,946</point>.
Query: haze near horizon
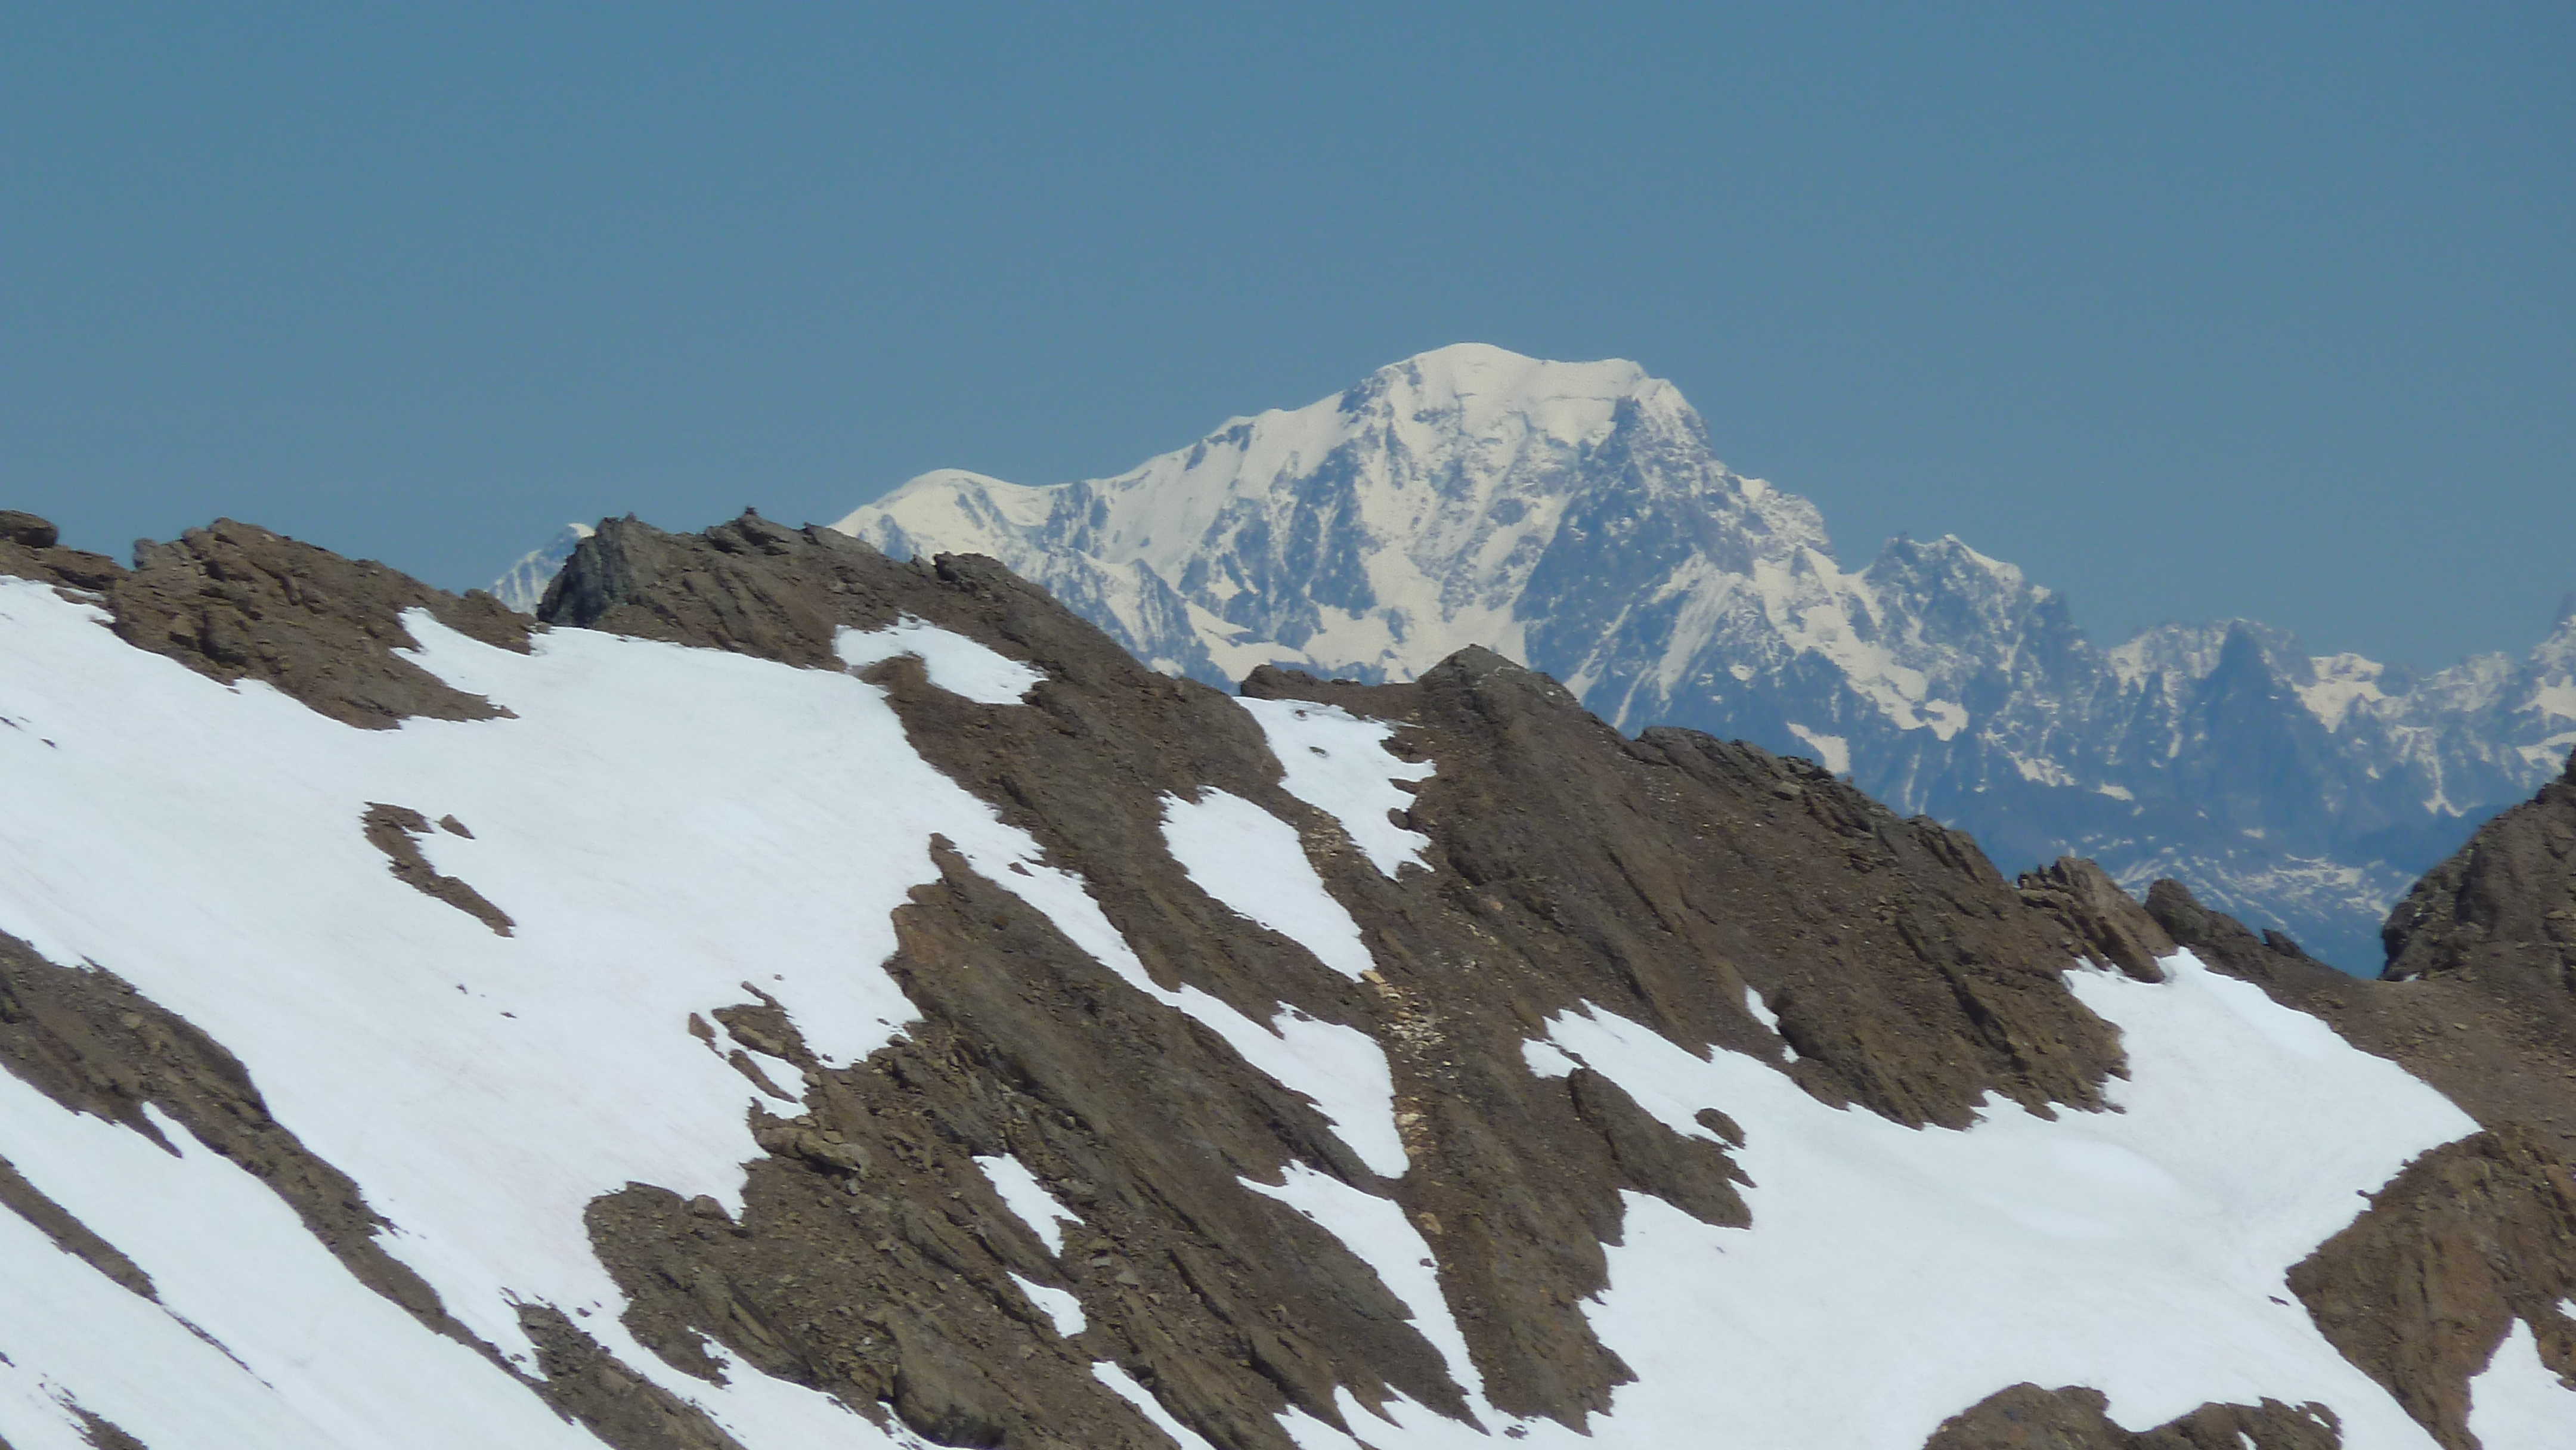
<point>2260,311</point>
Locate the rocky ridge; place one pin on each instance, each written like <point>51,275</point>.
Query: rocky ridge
<point>1575,517</point>
<point>1713,896</point>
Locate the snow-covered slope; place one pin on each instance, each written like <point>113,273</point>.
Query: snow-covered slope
<point>1575,517</point>
<point>831,1002</point>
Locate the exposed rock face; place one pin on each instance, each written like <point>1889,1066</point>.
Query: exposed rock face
<point>2424,1286</point>
<point>1203,1277</point>
<point>30,549</point>
<point>27,531</point>
<point>2503,910</point>
<point>234,601</point>
<point>2093,907</point>
<point>1576,518</point>
<point>2026,1417</point>
<point>395,830</point>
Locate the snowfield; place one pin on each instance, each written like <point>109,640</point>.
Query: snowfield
<point>665,825</point>
<point>2140,1251</point>
<point>661,824</point>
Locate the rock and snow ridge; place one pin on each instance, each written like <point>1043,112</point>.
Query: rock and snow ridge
<point>1575,517</point>
<point>918,1023</point>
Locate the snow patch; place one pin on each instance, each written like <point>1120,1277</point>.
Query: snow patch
<point>1119,1380</point>
<point>1339,764</point>
<point>1763,1014</point>
<point>2342,681</point>
<point>1546,1059</point>
<point>1253,862</point>
<point>961,666</point>
<point>2043,771</point>
<point>2551,753</point>
<point>1026,1197</point>
<point>2517,1402</point>
<point>1061,1309</point>
<point>656,819</point>
<point>1832,751</point>
<point>523,585</point>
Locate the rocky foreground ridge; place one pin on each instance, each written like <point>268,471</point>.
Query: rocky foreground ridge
<point>1576,517</point>
<point>786,996</point>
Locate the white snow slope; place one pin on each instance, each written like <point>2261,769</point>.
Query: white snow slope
<point>663,824</point>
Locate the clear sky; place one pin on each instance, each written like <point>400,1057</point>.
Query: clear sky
<point>2190,310</point>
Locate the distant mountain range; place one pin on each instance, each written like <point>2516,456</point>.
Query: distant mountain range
<point>1575,517</point>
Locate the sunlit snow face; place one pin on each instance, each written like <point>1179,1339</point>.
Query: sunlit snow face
<point>1894,1276</point>
<point>667,828</point>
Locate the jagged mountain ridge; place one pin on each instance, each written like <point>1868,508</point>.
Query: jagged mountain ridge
<point>1648,1087</point>
<point>1575,517</point>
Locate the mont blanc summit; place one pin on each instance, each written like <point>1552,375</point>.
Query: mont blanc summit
<point>1452,499</point>
<point>1575,517</point>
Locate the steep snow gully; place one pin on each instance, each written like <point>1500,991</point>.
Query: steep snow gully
<point>669,827</point>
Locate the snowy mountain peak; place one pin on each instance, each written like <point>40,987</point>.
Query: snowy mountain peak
<point>1482,391</point>
<point>1575,517</point>
<point>1446,500</point>
<point>523,585</point>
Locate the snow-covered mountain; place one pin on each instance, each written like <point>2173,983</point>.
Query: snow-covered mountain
<point>1575,517</point>
<point>523,585</point>
<point>787,998</point>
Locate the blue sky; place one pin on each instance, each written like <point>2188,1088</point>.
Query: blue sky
<point>2190,310</point>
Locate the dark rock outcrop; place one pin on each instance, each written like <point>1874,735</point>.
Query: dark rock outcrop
<point>2503,910</point>
<point>2422,1287</point>
<point>30,548</point>
<point>27,531</point>
<point>233,601</point>
<point>2026,1417</point>
<point>2082,895</point>
<point>396,831</point>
